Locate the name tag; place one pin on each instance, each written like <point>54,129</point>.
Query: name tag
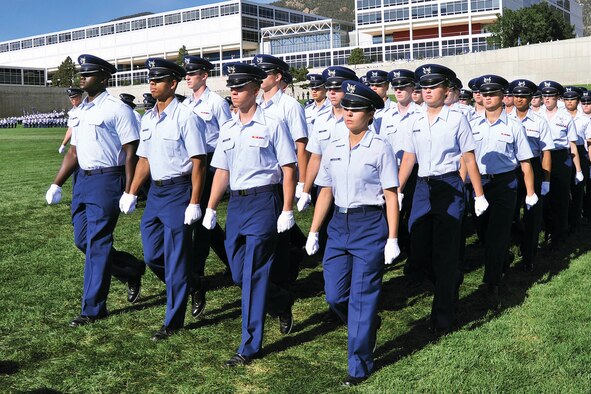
<point>335,159</point>
<point>505,137</point>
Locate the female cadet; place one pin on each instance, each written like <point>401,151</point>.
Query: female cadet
<point>254,153</point>
<point>438,139</point>
<point>501,144</point>
<point>359,170</point>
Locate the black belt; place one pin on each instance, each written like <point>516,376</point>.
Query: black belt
<point>105,170</point>
<point>361,209</point>
<point>253,190</point>
<point>495,176</point>
<point>172,181</point>
<point>440,177</point>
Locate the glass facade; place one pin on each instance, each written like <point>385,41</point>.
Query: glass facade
<point>306,43</point>
<point>18,76</point>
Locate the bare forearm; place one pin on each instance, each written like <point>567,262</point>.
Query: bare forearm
<point>142,173</point>
<point>472,169</point>
<point>392,211</point>
<point>218,187</point>
<point>528,177</point>
<point>69,165</point>
<point>547,164</point>
<point>197,177</point>
<point>130,163</point>
<point>321,209</point>
<point>312,171</point>
<point>289,185</point>
<point>303,158</point>
<point>408,162</point>
<point>576,158</point>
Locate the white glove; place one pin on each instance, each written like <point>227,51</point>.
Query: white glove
<point>312,245</point>
<point>530,201</point>
<point>61,149</point>
<point>127,203</point>
<point>192,214</point>
<point>54,194</point>
<point>480,205</point>
<point>545,187</point>
<point>304,201</point>
<point>391,250</point>
<point>299,189</point>
<point>400,198</point>
<point>579,177</point>
<point>209,219</point>
<point>285,221</point>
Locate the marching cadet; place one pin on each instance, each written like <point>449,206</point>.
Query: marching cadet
<point>541,144</point>
<point>358,170</point>
<point>565,136</point>
<point>254,154</point>
<point>571,97</point>
<point>128,99</point>
<point>214,111</point>
<point>378,82</point>
<point>320,103</point>
<point>149,101</point>
<point>536,101</point>
<point>501,145</point>
<point>437,140</point>
<point>465,97</point>
<point>508,102</point>
<point>172,153</point>
<point>478,108</point>
<point>363,79</point>
<point>417,95</point>
<point>102,152</point>
<point>75,96</point>
<point>586,103</point>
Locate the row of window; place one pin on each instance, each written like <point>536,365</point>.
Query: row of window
<point>15,76</point>
<point>313,42</point>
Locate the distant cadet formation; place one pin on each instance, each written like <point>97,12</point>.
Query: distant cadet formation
<point>382,175</point>
<point>37,120</point>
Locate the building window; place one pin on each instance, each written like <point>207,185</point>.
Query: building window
<point>229,9</point>
<point>138,24</point>
<point>249,9</point>
<point>15,46</point>
<point>454,7</point>
<point>78,35</point>
<point>251,36</point>
<point>65,37</point>
<point>320,59</point>
<point>155,21</point>
<point>34,77</point>
<point>27,44</point>
<point>296,61</point>
<point>211,12</point>
<point>455,47</point>
<point>250,23</point>
<point>39,41</point>
<point>107,30</point>
<point>172,19</point>
<point>310,18</point>
<point>424,11</point>
<point>92,32</point>
<point>230,55</point>
<point>4,48</point>
<point>369,18</point>
<point>397,52</point>
<point>484,5</point>
<point>263,23</point>
<point>296,18</point>
<point>422,50</point>
<point>399,14</point>
<point>189,16</point>
<point>373,54</point>
<point>50,40</point>
<point>388,3</point>
<point>122,27</point>
<point>367,4</point>
<point>265,12</point>
<point>282,16</point>
<point>10,76</point>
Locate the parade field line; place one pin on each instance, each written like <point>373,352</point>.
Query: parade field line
<point>539,341</point>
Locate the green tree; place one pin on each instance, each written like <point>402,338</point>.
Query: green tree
<point>534,24</point>
<point>357,57</point>
<point>298,73</point>
<point>182,53</point>
<point>66,74</point>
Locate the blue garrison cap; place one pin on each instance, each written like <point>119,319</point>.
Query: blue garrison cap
<point>456,83</point>
<point>287,78</point>
<point>316,80</point>
<point>537,93</point>
<point>240,74</point>
<point>308,102</point>
<point>91,64</point>
<point>196,63</point>
<point>363,79</point>
<point>522,87</point>
<point>401,77</point>
<point>127,99</point>
<point>465,94</point>
<point>149,101</point>
<point>572,92</point>
<point>472,85</point>
<point>228,100</point>
<point>180,97</point>
<point>269,63</point>
<point>73,92</point>
<point>159,68</point>
<point>377,77</point>
<point>491,83</point>
<point>418,87</point>
<point>358,96</point>
<point>551,88</point>
<point>586,97</point>
<point>431,75</point>
<point>335,75</point>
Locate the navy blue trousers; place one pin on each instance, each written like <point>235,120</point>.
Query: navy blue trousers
<point>556,210</point>
<point>167,245</point>
<point>532,218</point>
<point>577,191</point>
<point>353,269</point>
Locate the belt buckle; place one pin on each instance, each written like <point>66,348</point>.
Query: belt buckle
<point>243,192</point>
<point>87,172</point>
<point>342,210</point>
<point>158,183</point>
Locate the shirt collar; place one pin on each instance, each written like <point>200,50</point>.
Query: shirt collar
<point>98,100</point>
<point>367,138</point>
<point>204,97</point>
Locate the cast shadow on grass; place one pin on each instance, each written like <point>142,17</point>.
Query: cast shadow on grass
<point>8,367</point>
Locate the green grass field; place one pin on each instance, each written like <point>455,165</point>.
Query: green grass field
<point>540,342</point>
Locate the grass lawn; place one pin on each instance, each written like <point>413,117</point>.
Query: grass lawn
<point>539,342</point>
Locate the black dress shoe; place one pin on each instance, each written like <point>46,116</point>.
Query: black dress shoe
<point>285,322</point>
<point>353,381</point>
<point>198,302</point>
<point>134,288</point>
<point>82,320</point>
<point>237,360</point>
<point>163,333</point>
<point>330,316</point>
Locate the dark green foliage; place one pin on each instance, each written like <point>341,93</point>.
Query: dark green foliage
<point>343,9</point>
<point>357,57</point>
<point>66,74</point>
<point>182,53</point>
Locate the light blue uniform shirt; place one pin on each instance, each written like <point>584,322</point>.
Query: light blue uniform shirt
<point>287,109</point>
<point>537,131</point>
<point>468,111</point>
<point>103,127</point>
<point>358,176</point>
<point>583,126</point>
<point>312,111</point>
<point>73,117</point>
<point>254,153</point>
<point>214,111</point>
<point>376,125</point>
<point>326,128</point>
<point>395,127</point>
<point>562,128</point>
<point>438,147</point>
<point>138,118</point>
<point>170,140</point>
<point>499,146</point>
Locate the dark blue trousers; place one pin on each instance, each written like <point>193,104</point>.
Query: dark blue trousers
<point>251,239</point>
<point>435,225</point>
<point>556,208</point>
<point>167,245</point>
<point>353,269</point>
<point>577,191</point>
<point>532,218</point>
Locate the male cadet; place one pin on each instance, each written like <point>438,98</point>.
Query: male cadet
<point>172,153</point>
<point>564,155</point>
<point>508,101</point>
<point>378,82</point>
<point>75,96</point>
<point>214,111</point>
<point>586,110</point>
<point>586,103</point>
<point>465,97</point>
<point>478,108</point>
<point>104,141</point>
<point>255,157</point>
<point>571,97</point>
<point>417,95</point>
<point>286,81</point>
<point>128,99</point>
<point>536,101</point>
<point>320,103</point>
<point>541,143</point>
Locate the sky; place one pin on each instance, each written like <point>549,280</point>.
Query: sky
<point>23,18</point>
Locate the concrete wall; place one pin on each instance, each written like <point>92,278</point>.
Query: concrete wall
<point>16,99</point>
